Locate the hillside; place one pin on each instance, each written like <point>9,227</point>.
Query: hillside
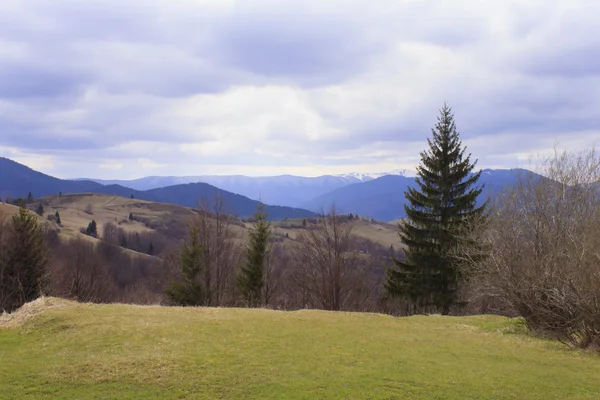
<point>105,208</point>
<point>17,180</point>
<point>59,349</point>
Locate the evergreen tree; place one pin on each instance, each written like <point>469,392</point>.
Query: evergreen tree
<point>57,215</point>
<point>92,229</point>
<point>251,278</point>
<point>190,292</point>
<point>151,249</point>
<point>30,197</point>
<point>131,216</point>
<point>441,204</point>
<point>23,265</point>
<point>40,209</point>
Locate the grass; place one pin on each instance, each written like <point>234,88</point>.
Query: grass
<point>56,349</point>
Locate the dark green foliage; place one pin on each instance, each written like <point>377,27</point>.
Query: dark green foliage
<point>251,276</point>
<point>443,203</point>
<point>40,209</point>
<point>190,291</point>
<point>57,215</point>
<point>23,262</point>
<point>131,216</point>
<point>92,229</point>
<point>132,196</point>
<point>30,197</point>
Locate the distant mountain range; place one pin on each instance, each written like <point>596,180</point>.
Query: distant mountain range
<point>17,180</point>
<point>379,196</point>
<point>383,198</point>
<point>284,190</point>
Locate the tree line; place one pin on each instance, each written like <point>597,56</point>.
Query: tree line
<point>530,252</point>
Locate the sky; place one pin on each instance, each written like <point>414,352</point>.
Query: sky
<point>123,89</point>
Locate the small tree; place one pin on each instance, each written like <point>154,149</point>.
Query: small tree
<point>190,291</point>
<point>251,276</point>
<point>151,249</point>
<point>131,217</point>
<point>92,229</point>
<point>30,198</point>
<point>57,215</point>
<point>438,209</point>
<point>40,209</point>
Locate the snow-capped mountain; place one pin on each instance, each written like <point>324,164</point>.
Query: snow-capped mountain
<point>368,176</point>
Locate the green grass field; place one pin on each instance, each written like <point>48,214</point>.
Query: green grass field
<point>54,349</point>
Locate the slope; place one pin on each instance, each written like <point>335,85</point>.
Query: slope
<point>59,349</point>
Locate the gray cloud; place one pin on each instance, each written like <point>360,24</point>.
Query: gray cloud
<point>217,86</point>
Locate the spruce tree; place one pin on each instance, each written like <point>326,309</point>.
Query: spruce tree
<point>251,277</point>
<point>40,209</point>
<point>57,215</point>
<point>190,291</point>
<point>23,274</point>
<point>92,229</point>
<point>443,201</point>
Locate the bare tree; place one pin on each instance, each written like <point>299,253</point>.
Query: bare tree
<point>329,272</point>
<point>538,253</point>
<point>84,274</point>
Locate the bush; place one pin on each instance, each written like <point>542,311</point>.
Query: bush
<point>542,244</point>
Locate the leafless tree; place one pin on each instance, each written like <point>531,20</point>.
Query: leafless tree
<point>84,274</point>
<point>539,254</point>
<point>328,271</point>
<point>222,251</point>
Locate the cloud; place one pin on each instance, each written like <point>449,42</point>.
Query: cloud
<point>125,89</point>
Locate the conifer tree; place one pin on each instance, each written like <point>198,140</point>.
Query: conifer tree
<point>40,209</point>
<point>23,266</point>
<point>190,292</point>
<point>251,277</point>
<point>442,203</point>
<point>92,229</point>
<point>57,215</point>
<point>30,197</point>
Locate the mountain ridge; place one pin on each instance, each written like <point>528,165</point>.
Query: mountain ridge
<point>17,180</point>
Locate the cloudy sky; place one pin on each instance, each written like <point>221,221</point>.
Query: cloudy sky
<point>124,89</point>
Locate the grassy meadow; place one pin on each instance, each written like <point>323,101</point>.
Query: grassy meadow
<point>57,349</point>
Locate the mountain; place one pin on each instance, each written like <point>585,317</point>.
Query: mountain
<point>383,198</point>
<point>17,180</point>
<point>285,190</point>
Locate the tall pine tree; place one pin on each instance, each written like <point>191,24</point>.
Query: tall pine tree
<point>251,277</point>
<point>444,200</point>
